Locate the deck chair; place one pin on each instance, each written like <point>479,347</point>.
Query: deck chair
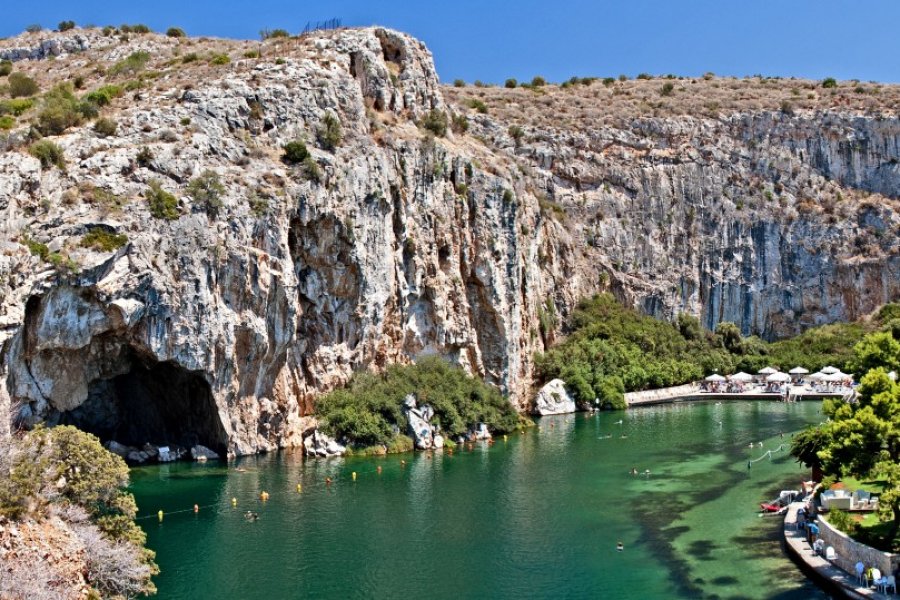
<point>830,554</point>
<point>890,582</point>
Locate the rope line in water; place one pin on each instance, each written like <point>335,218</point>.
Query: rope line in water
<point>768,454</point>
<point>343,476</point>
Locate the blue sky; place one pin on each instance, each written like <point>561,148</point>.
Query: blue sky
<point>520,38</point>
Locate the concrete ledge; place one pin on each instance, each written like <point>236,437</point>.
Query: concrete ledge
<point>825,574</point>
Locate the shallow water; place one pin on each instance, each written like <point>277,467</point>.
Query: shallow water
<point>537,516</point>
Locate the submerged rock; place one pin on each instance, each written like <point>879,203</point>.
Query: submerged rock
<point>553,399</point>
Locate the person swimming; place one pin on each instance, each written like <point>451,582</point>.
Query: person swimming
<point>251,516</point>
<point>620,546</point>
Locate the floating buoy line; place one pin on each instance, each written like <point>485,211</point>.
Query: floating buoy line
<point>766,454</point>
<point>263,496</point>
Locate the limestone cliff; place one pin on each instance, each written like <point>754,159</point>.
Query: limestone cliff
<point>221,328</point>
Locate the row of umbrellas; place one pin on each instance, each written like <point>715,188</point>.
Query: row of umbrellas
<point>828,374</point>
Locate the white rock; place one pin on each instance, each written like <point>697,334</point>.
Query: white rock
<point>553,399</point>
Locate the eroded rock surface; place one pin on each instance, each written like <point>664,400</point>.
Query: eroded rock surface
<point>222,330</point>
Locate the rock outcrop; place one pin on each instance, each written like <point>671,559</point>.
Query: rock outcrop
<point>421,429</point>
<point>553,399</point>
<point>220,327</point>
<point>320,445</point>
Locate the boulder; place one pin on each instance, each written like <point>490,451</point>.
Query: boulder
<point>119,449</point>
<point>438,441</point>
<point>319,444</point>
<point>553,399</point>
<point>479,432</point>
<point>420,428</point>
<point>171,453</point>
<point>202,453</point>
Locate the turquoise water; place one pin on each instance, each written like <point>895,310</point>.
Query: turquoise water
<point>537,516</point>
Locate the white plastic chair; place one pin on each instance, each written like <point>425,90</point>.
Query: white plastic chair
<point>890,582</point>
<point>829,554</point>
<point>876,578</point>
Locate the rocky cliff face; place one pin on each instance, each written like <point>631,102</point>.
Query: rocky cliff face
<point>221,330</point>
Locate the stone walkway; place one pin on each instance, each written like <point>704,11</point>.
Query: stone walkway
<point>839,579</point>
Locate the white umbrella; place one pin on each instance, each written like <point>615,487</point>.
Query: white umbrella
<point>829,370</point>
<point>818,376</point>
<point>741,377</point>
<point>715,377</point>
<point>778,377</point>
<point>798,371</point>
<point>834,377</point>
<point>893,375</point>
<point>767,371</point>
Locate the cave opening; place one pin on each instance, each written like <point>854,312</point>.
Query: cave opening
<point>160,403</point>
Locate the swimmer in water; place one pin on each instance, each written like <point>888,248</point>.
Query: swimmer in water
<point>251,516</point>
<point>620,546</point>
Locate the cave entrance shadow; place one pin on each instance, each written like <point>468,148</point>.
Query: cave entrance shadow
<point>153,402</point>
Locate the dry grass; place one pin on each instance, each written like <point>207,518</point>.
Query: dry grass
<point>580,106</point>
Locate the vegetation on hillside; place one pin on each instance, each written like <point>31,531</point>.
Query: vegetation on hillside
<point>66,473</point>
<point>368,411</point>
<point>613,347</point>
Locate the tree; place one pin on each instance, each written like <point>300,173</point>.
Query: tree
<point>730,335</point>
<point>876,350</point>
<point>863,439</point>
<point>207,191</point>
<point>21,85</point>
<point>805,447</point>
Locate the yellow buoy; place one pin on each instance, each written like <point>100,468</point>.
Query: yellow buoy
<point>504,437</point>
<point>299,487</point>
<point>264,496</point>
<point>160,515</point>
<point>354,475</point>
<point>234,501</point>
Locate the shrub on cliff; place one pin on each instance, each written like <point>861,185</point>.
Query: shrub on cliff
<point>21,85</point>
<point>6,67</point>
<point>103,240</point>
<point>131,65</point>
<point>68,472</point>
<point>163,205</point>
<point>207,191</point>
<point>367,409</point>
<point>105,127</point>
<point>435,122</point>
<point>60,110</point>
<point>48,153</point>
<point>175,32</point>
<point>329,132</point>
<point>102,96</point>
<point>66,25</point>
<point>294,152</point>
<point>829,82</point>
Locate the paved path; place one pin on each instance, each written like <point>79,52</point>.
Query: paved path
<point>821,569</point>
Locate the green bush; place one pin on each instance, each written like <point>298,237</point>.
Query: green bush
<point>608,81</point>
<point>34,28</point>
<point>163,205</point>
<point>294,152</point>
<point>478,105</point>
<point>207,191</point>
<point>48,153</point>
<point>829,82</point>
<point>516,133</point>
<point>16,106</point>
<point>140,28</point>
<point>667,89</point>
<point>329,132</point>
<point>459,83</point>
<point>366,410</point>
<point>538,81</point>
<point>105,127</point>
<point>644,76</point>
<point>144,157</point>
<point>190,57</point>
<point>219,59</point>
<point>21,85</point>
<point>459,124</point>
<point>435,122</point>
<point>268,34</point>
<point>103,240</point>
<point>6,67</point>
<point>102,96</point>
<point>175,32</point>
<point>510,83</point>
<point>60,109</point>
<point>7,122</point>
<point>842,520</point>
<point>66,25</point>
<point>36,248</point>
<point>131,65</point>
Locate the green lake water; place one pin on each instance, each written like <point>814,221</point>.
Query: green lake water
<point>537,516</point>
